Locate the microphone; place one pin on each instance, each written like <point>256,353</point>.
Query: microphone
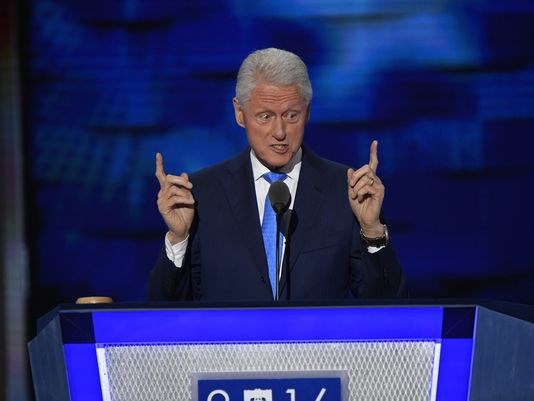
<point>280,199</point>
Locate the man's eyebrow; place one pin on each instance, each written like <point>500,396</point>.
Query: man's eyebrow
<point>263,111</point>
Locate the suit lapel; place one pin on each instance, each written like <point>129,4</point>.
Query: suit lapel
<point>238,184</point>
<point>308,202</point>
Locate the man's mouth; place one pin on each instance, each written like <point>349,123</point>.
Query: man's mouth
<point>280,147</point>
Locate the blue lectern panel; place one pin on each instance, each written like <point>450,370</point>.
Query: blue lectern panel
<point>454,369</point>
<point>277,324</point>
<point>290,324</point>
<point>82,371</point>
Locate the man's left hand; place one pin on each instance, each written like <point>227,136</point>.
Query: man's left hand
<point>366,194</point>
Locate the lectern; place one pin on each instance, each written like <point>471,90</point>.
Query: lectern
<point>283,352</point>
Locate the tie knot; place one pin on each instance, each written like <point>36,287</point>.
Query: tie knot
<point>273,176</point>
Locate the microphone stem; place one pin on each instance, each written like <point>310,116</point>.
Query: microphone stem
<point>278,267</point>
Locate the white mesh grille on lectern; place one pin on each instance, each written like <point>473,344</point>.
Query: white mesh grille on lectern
<point>376,370</point>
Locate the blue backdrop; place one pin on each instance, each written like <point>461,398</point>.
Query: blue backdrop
<point>446,87</point>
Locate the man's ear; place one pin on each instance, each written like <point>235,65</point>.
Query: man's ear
<point>308,112</point>
<point>239,117</point>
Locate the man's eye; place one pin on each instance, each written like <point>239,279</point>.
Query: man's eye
<point>292,116</point>
<point>264,116</point>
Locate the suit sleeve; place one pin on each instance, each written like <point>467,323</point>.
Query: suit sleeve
<point>167,282</point>
<point>376,275</point>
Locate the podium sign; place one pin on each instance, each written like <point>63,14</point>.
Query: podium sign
<point>269,386</point>
<point>275,353</point>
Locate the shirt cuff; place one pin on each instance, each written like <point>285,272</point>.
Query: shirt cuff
<point>176,252</point>
<point>375,249</point>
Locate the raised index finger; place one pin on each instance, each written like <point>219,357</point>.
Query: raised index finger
<point>373,155</point>
<point>160,174</point>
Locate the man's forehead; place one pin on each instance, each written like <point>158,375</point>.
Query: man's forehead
<point>276,95</point>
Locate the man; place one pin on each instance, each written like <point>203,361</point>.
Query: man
<point>335,246</point>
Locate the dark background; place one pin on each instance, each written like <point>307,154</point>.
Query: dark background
<point>447,88</point>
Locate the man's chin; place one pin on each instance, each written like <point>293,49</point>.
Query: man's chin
<point>275,164</point>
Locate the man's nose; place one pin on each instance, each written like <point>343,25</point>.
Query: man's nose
<point>279,131</point>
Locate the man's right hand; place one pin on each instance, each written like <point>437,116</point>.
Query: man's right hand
<point>175,202</point>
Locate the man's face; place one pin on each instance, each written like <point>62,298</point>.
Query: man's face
<point>274,118</point>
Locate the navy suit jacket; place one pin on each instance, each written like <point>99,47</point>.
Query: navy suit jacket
<point>324,257</point>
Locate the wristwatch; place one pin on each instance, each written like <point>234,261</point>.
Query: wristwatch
<point>377,241</point>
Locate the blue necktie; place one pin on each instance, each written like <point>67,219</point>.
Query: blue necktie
<point>268,229</point>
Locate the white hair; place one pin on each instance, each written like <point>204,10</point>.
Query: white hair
<point>275,67</point>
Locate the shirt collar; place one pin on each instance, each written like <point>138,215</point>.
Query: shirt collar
<point>290,168</point>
